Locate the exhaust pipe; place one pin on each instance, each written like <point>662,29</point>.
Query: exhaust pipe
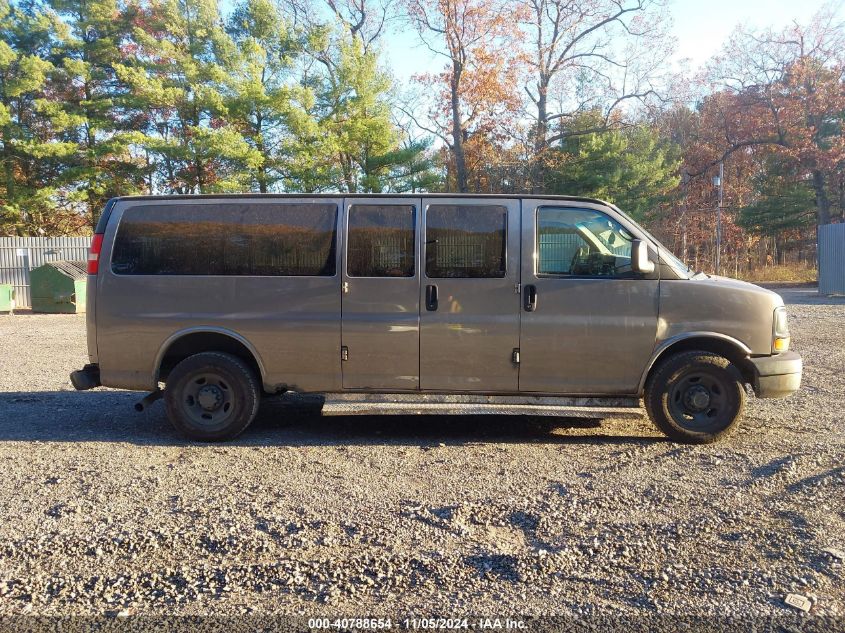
<point>147,400</point>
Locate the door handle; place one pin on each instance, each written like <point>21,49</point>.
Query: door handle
<point>431,298</point>
<point>530,298</point>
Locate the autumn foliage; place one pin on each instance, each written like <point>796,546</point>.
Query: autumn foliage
<point>110,97</point>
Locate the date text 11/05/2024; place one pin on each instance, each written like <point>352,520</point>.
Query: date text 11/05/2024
<point>431,624</point>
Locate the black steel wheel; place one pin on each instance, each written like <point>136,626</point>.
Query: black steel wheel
<point>211,396</point>
<point>695,397</point>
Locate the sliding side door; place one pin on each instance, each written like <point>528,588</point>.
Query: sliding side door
<point>380,294</point>
<point>469,318</point>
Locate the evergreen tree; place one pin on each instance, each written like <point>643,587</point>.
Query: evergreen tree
<point>309,147</point>
<point>31,155</point>
<point>355,113</point>
<point>183,60</point>
<point>630,167</point>
<point>783,200</point>
<point>410,168</point>
<point>90,104</point>
<point>261,101</point>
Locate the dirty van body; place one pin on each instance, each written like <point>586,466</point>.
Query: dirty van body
<point>420,304</point>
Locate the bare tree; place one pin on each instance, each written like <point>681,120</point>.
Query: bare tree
<point>366,20</point>
<point>595,54</point>
<point>475,38</point>
<point>781,90</point>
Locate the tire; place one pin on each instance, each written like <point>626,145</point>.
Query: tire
<point>211,397</point>
<point>695,397</point>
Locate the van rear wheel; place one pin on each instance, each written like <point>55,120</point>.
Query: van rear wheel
<point>211,396</point>
<point>695,397</point>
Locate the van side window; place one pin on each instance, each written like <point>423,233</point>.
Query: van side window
<point>296,239</point>
<point>380,240</point>
<point>581,243</point>
<point>465,241</point>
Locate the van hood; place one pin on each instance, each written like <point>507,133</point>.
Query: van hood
<point>739,285</point>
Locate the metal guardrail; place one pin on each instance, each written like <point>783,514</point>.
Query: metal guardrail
<point>19,255</point>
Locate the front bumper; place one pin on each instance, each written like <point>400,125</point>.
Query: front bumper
<point>777,376</point>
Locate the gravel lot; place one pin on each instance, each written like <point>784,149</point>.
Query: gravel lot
<point>106,511</point>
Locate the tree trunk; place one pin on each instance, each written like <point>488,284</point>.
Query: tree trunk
<point>8,166</point>
<point>200,174</point>
<point>149,170</point>
<point>261,176</point>
<point>457,130</point>
<point>199,167</point>
<point>347,173</point>
<point>262,179</point>
<point>822,201</point>
<point>538,175</point>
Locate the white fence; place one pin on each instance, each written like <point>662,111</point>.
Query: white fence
<point>19,255</point>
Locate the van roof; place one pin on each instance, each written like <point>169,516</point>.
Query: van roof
<point>104,217</point>
<point>493,196</point>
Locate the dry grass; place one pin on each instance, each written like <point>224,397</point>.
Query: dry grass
<point>789,273</point>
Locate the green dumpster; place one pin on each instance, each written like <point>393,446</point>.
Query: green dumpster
<point>59,287</point>
<point>7,298</point>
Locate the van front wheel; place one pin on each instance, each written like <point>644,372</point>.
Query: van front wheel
<point>211,396</point>
<point>695,397</point>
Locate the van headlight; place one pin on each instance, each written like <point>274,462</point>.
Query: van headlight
<point>780,331</point>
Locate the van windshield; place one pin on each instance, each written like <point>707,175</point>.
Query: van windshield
<point>665,253</point>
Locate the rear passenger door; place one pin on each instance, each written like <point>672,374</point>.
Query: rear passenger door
<point>380,294</point>
<point>469,301</point>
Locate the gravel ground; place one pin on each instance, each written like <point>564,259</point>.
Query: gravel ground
<point>107,511</point>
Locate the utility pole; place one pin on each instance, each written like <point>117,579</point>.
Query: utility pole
<point>684,190</point>
<point>717,182</point>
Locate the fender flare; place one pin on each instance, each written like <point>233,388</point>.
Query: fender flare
<point>669,342</point>
<point>205,329</point>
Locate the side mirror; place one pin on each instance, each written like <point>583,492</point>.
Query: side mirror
<point>640,263</point>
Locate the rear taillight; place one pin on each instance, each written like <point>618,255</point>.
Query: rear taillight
<point>94,254</point>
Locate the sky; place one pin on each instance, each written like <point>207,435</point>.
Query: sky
<point>700,26</point>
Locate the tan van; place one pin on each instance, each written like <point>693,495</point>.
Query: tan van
<point>420,304</point>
